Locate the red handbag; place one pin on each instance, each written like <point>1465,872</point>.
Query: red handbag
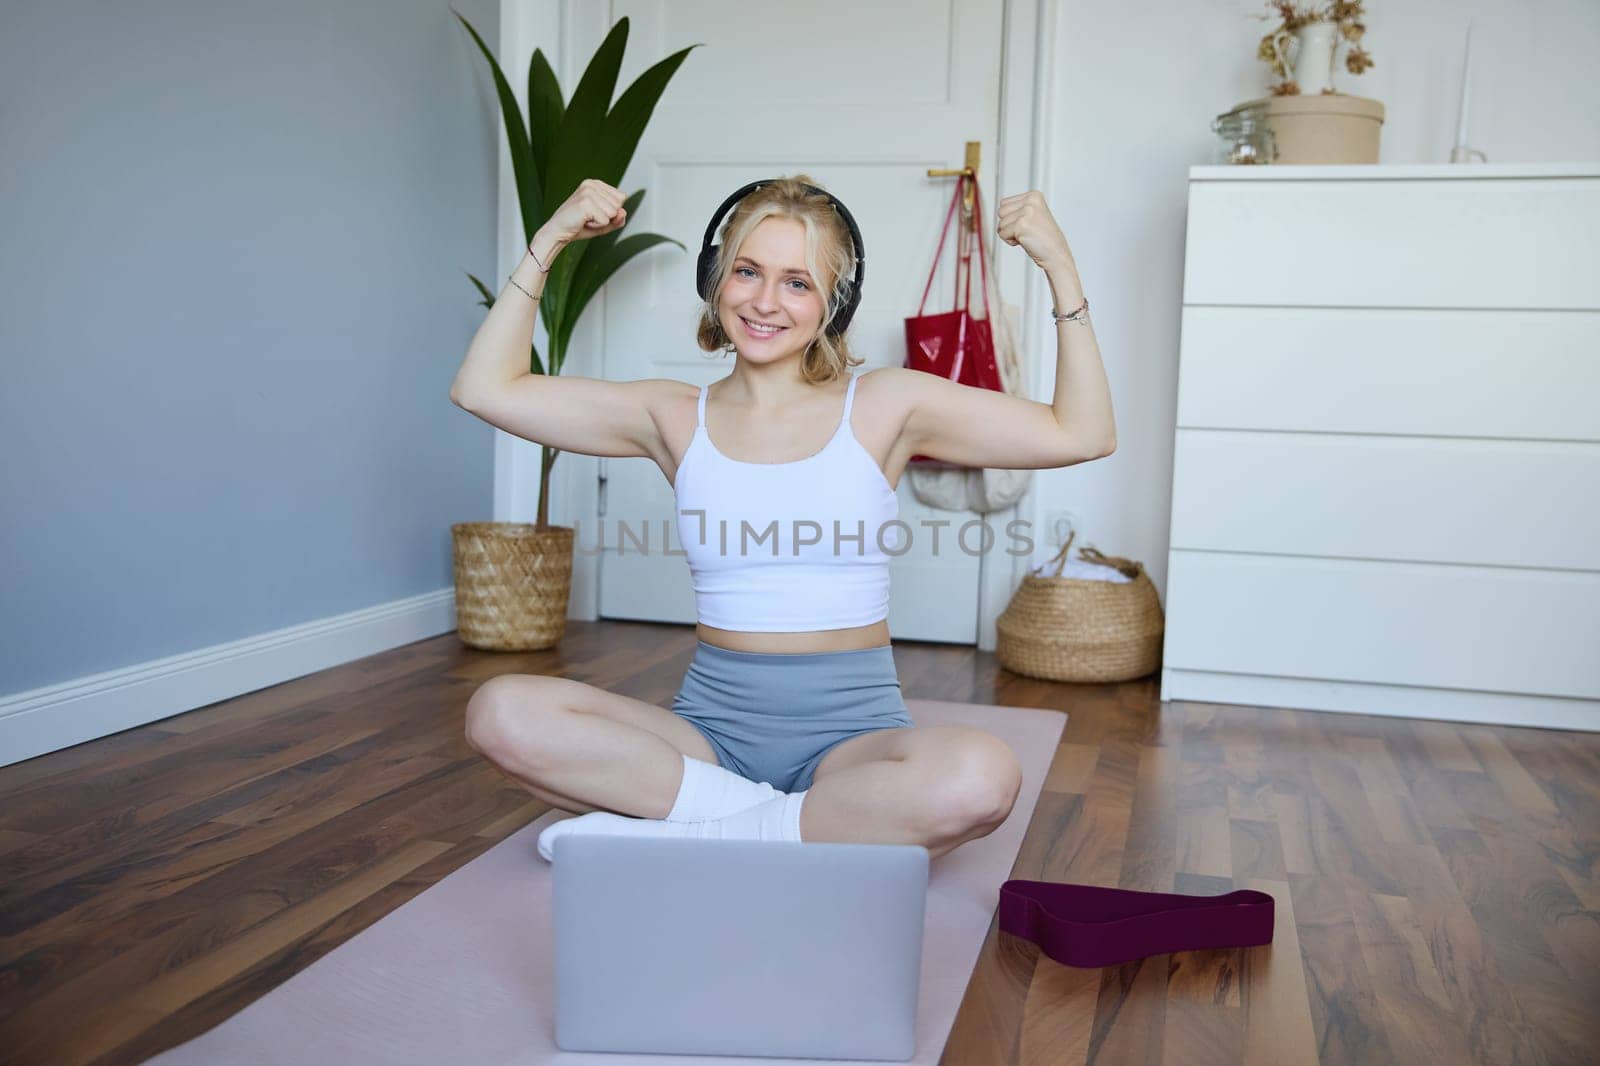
<point>953,344</point>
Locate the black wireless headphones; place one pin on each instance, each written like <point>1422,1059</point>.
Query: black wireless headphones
<point>708,255</point>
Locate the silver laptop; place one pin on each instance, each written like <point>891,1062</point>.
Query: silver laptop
<point>738,947</point>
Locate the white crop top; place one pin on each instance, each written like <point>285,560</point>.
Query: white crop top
<point>787,547</point>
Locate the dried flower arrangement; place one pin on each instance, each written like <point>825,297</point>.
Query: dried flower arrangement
<point>1346,14</point>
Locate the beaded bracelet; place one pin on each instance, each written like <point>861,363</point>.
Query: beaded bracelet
<point>1074,316</point>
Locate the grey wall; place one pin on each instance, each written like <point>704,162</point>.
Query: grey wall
<point>232,302</point>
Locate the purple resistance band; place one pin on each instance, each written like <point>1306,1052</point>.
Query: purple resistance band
<point>1080,925</point>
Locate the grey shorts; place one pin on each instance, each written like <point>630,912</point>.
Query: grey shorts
<point>773,716</point>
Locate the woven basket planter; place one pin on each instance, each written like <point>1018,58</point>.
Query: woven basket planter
<point>1071,629</point>
<point>512,584</point>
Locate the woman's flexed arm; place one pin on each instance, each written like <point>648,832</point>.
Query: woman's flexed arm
<point>977,427</point>
<point>1082,404</point>
<point>498,354</point>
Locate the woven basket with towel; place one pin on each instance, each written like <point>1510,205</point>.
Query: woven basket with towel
<point>1103,624</point>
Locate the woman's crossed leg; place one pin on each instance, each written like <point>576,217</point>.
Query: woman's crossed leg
<point>581,748</point>
<point>936,785</point>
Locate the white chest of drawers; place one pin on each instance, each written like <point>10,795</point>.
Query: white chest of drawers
<point>1386,477</point>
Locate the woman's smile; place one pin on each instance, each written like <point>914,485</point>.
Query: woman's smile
<point>759,333</point>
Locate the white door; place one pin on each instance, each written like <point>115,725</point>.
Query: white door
<point>865,98</point>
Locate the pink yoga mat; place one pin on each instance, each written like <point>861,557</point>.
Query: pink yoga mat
<point>462,972</point>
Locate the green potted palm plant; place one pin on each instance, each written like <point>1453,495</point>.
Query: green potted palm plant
<point>513,578</point>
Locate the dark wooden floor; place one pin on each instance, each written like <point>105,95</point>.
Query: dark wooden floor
<point>1438,885</point>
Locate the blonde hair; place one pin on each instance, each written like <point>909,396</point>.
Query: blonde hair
<point>830,259</point>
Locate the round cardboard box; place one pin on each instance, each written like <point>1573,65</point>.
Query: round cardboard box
<point>1324,128</point>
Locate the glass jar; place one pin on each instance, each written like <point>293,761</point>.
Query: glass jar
<point>1244,137</point>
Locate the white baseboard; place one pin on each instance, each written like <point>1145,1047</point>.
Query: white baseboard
<point>59,716</point>
<point>1392,701</point>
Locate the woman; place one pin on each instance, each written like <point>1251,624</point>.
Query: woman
<point>790,723</point>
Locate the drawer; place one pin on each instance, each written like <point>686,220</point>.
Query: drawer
<point>1460,627</point>
<point>1518,374</point>
<point>1423,499</point>
<point>1442,243</point>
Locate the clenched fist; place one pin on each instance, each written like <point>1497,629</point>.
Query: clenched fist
<point>593,209</point>
<point>1025,220</point>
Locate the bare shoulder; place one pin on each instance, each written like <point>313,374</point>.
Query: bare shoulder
<point>890,391</point>
<point>886,398</point>
<point>671,405</point>
<point>666,392</point>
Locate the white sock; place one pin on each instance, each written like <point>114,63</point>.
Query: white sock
<point>711,791</point>
<point>776,819</point>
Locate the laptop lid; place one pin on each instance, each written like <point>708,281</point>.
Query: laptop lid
<point>738,947</point>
